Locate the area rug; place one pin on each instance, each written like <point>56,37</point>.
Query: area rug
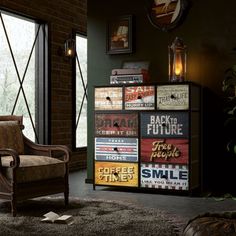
<point>91,217</point>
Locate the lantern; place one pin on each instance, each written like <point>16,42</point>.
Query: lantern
<point>70,47</point>
<point>177,61</point>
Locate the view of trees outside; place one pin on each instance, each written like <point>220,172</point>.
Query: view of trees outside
<point>81,131</point>
<point>21,34</point>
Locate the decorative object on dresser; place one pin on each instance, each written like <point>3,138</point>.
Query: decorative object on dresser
<point>132,72</point>
<point>177,55</point>
<point>148,136</point>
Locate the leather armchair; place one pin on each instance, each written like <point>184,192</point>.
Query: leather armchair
<point>29,170</point>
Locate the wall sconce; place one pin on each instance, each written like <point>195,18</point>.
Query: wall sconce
<point>70,48</point>
<point>177,60</point>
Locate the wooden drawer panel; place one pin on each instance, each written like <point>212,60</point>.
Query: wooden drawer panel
<point>116,174</point>
<point>174,151</point>
<point>173,97</point>
<point>164,124</point>
<point>109,98</point>
<point>116,149</point>
<point>139,98</point>
<point>161,176</point>
<point>116,124</point>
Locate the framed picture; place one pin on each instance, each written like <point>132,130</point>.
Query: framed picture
<point>119,35</point>
<point>167,14</point>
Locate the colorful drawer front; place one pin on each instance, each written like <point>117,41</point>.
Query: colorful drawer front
<point>165,151</point>
<point>161,176</point>
<point>109,98</point>
<point>173,97</point>
<point>116,149</point>
<point>116,174</point>
<point>116,124</point>
<point>164,124</point>
<point>139,98</point>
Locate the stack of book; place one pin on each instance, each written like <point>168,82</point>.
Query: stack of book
<point>129,76</point>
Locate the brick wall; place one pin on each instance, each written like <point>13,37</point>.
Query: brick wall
<point>63,16</point>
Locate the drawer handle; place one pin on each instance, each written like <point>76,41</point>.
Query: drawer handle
<point>108,98</point>
<point>139,97</point>
<point>116,174</point>
<point>172,96</point>
<point>116,124</point>
<point>163,124</point>
<point>115,149</point>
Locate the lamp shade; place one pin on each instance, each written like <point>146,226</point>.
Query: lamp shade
<point>177,60</point>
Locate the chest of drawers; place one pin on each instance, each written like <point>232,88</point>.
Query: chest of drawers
<point>148,136</point>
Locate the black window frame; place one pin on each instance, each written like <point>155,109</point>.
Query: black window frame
<point>42,75</point>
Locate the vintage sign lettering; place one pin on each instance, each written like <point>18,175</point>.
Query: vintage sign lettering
<point>164,124</point>
<point>117,174</point>
<point>116,149</point>
<point>108,98</point>
<point>164,176</point>
<point>139,97</point>
<point>164,150</point>
<point>173,97</point>
<point>116,124</point>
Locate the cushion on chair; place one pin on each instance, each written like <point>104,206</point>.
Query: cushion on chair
<point>34,168</point>
<point>11,136</point>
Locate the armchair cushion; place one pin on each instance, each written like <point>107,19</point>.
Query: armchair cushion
<point>34,168</point>
<point>11,136</point>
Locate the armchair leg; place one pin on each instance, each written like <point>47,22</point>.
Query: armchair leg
<point>13,207</point>
<point>66,192</point>
<point>66,198</point>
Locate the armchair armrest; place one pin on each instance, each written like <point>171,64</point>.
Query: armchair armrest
<point>39,149</point>
<point>10,152</point>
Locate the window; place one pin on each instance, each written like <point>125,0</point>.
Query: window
<point>23,76</point>
<point>81,91</point>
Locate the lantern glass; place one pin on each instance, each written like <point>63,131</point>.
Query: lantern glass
<point>70,48</point>
<point>177,61</point>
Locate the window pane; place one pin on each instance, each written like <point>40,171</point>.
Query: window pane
<point>81,99</point>
<point>14,70</point>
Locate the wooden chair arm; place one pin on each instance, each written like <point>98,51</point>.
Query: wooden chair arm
<point>39,149</point>
<point>10,152</point>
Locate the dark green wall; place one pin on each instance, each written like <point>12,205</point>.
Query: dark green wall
<point>209,31</point>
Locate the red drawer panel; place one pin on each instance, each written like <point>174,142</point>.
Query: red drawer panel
<point>165,150</point>
<point>139,98</point>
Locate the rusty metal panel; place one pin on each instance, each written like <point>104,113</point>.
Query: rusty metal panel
<point>116,149</point>
<point>116,124</point>
<point>173,97</point>
<point>161,176</point>
<point>108,98</point>
<point>140,98</point>
<point>116,174</point>
<point>166,151</point>
<point>164,124</point>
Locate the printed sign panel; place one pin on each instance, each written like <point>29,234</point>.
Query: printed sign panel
<point>108,98</point>
<point>116,174</point>
<point>164,124</point>
<point>116,149</point>
<point>163,176</point>
<point>166,151</point>
<point>139,98</point>
<point>116,124</point>
<point>173,97</point>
